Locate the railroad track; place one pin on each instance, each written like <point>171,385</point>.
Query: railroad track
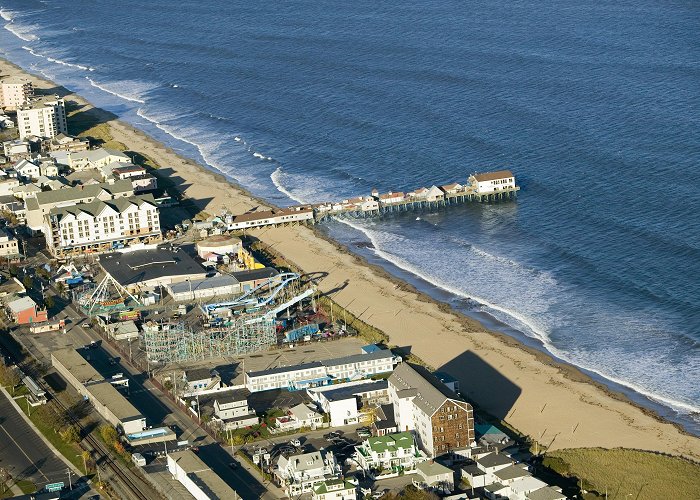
<point>127,479</point>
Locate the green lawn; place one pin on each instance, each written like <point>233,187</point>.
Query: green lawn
<point>68,450</point>
<point>628,473</point>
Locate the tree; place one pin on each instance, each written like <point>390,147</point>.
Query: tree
<point>49,302</point>
<point>9,377</point>
<point>70,434</point>
<point>28,282</point>
<point>109,434</point>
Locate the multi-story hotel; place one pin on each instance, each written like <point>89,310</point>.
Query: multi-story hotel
<point>16,91</point>
<point>43,117</point>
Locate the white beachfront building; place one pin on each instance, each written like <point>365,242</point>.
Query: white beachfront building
<point>44,117</point>
<point>492,182</point>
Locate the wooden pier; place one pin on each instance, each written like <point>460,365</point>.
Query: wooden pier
<point>488,187</point>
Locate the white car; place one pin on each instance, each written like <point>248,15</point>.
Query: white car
<point>295,442</point>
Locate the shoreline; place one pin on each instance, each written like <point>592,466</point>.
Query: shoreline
<point>579,403</point>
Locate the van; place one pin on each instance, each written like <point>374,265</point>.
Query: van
<point>138,459</point>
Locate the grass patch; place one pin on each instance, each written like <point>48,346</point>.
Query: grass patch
<point>26,486</point>
<point>623,472</point>
<point>68,450</point>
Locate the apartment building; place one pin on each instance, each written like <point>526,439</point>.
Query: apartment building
<point>443,422</point>
<point>102,226</point>
<point>93,158</point>
<point>16,91</point>
<point>40,205</point>
<point>233,410</point>
<point>43,117</point>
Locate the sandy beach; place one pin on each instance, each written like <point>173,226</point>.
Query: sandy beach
<point>553,403</point>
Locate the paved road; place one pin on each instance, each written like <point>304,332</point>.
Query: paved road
<point>24,453</point>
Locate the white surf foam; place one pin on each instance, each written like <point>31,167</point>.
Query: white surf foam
<point>276,178</point>
<point>56,60</point>
<point>23,32</point>
<point>129,90</point>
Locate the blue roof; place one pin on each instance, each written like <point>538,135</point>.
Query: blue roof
<point>371,348</point>
<point>483,429</point>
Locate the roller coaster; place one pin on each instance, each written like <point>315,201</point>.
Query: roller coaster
<point>273,296</point>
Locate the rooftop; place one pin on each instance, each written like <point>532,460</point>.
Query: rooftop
<point>207,480</point>
<point>144,265</point>
<point>358,358</point>
<point>286,369</point>
<point>511,472</point>
<point>233,396</point>
<point>430,393</point>
<point>255,274</point>
<point>96,207</point>
<point>73,362</point>
<point>391,442</point>
<point>21,304</point>
<point>109,396</point>
<point>432,468</point>
<point>492,176</point>
<point>220,280</point>
<point>546,493</point>
<point>81,192</point>
<point>494,460</point>
<point>352,390</point>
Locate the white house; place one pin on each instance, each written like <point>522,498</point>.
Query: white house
<point>334,489</point>
<point>28,169</point>
<point>298,474</point>
<point>43,117</point>
<point>231,408</point>
<point>93,158</point>
<point>100,225</point>
<point>452,188</point>
<point>8,244</point>
<point>16,149</point>
<point>392,453</point>
<point>425,194</point>
<point>343,402</point>
<point>65,142</point>
<point>299,416</point>
<point>198,380</point>
<point>492,182</point>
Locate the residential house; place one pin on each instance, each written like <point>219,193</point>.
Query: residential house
<point>298,474</point>
<point>442,420</point>
<point>139,177</point>
<point>435,476</point>
<point>64,142</point>
<point>26,191</point>
<point>384,422</point>
<point>28,169</point>
<point>9,247</point>
<point>350,402</point>
<point>492,182</point>
<point>297,417</point>
<point>425,194</point>
<point>42,117</point>
<point>16,149</point>
<point>231,408</point>
<point>91,159</point>
<point>24,311</point>
<point>8,186</point>
<point>334,489</point>
<point>199,380</point>
<point>392,453</point>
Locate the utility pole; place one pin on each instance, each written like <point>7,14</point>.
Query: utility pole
<point>70,483</point>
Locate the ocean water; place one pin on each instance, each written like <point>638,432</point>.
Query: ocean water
<point>594,105</point>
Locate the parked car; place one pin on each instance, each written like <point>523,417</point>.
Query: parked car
<point>295,442</point>
<point>233,465</point>
<point>86,325</point>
